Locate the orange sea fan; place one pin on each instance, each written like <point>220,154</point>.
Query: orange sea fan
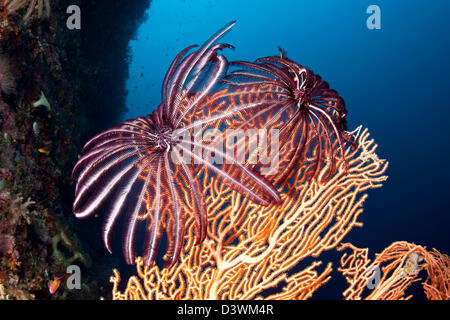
<point>393,271</point>
<point>249,248</point>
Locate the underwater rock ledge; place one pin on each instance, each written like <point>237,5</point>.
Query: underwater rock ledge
<point>58,87</point>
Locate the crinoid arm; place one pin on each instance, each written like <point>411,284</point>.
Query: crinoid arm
<point>139,169</point>
<point>187,88</point>
<point>299,104</point>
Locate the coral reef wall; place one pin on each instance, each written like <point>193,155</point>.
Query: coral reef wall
<point>108,26</point>
<point>58,88</point>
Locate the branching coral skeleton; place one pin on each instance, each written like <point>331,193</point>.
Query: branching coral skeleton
<point>250,248</point>
<point>393,271</point>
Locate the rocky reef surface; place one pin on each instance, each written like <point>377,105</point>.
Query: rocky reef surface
<point>58,88</point>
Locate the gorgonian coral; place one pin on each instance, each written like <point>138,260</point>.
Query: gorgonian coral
<point>392,272</point>
<point>250,249</point>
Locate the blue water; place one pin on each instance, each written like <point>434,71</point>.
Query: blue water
<point>395,81</point>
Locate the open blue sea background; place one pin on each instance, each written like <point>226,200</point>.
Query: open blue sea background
<point>395,81</point>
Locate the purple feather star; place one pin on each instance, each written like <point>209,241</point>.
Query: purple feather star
<point>139,168</point>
